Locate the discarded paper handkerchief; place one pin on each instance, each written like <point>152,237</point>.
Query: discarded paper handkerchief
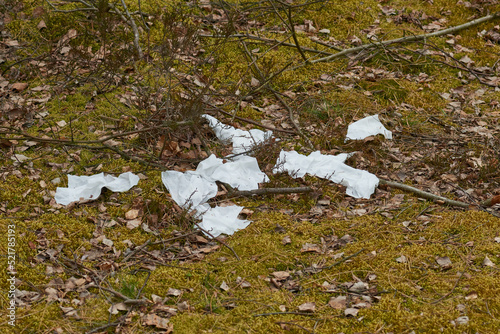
<point>243,173</point>
<point>359,183</point>
<point>89,187</point>
<point>189,189</point>
<point>368,126</point>
<point>225,220</point>
<point>242,140</point>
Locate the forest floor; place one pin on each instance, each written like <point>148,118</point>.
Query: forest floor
<point>94,86</point>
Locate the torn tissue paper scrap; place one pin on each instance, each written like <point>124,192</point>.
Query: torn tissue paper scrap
<point>368,126</point>
<point>189,190</point>
<point>225,220</point>
<point>242,140</point>
<point>359,183</point>
<point>89,187</point>
<point>243,173</point>
<point>192,189</point>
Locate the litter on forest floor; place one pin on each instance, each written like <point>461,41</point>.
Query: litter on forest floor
<point>243,141</point>
<point>359,183</point>
<point>192,189</point>
<point>89,187</point>
<point>368,126</point>
<point>223,219</point>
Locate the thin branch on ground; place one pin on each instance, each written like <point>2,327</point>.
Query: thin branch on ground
<point>276,41</point>
<point>278,313</point>
<point>452,289</point>
<point>219,241</point>
<point>277,95</point>
<point>268,191</point>
<point>342,260</point>
<point>424,194</point>
<point>407,39</point>
<point>136,250</point>
<point>250,121</point>
<point>126,300</point>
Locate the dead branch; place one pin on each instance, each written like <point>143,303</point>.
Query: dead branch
<point>342,260</point>
<point>491,201</point>
<point>136,250</point>
<point>425,194</point>
<point>219,241</point>
<point>126,300</point>
<point>126,17</point>
<point>249,120</point>
<point>267,191</point>
<point>277,95</point>
<point>276,42</point>
<point>407,39</point>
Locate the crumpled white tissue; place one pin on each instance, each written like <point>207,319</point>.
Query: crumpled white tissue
<point>242,140</point>
<point>359,183</point>
<point>225,220</point>
<point>192,189</point>
<point>89,187</point>
<point>243,173</point>
<point>189,189</point>
<point>368,126</point>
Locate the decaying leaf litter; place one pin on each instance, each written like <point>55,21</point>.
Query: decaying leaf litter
<point>317,262</point>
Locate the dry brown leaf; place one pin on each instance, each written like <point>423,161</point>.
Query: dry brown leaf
<point>307,307</point>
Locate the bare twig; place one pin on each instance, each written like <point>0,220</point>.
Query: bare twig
<point>267,191</point>
<point>131,22</point>
<point>278,42</point>
<point>250,121</point>
<point>425,194</point>
<point>343,260</point>
<point>219,241</point>
<point>409,38</point>
<point>277,95</point>
<point>452,289</point>
<point>136,250</point>
<point>278,313</point>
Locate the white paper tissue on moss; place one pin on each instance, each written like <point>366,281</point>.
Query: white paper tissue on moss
<point>242,141</point>
<point>89,187</point>
<point>368,126</point>
<point>359,183</point>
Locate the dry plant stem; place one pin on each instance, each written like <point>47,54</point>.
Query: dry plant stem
<point>277,313</point>
<point>424,194</point>
<point>294,324</point>
<point>251,121</point>
<point>410,38</point>
<point>491,201</point>
<point>132,24</point>
<point>343,260</point>
<point>101,329</point>
<point>126,300</point>
<point>277,95</point>
<point>451,291</point>
<point>292,119</point>
<point>267,191</point>
<point>219,241</point>
<point>135,251</point>
<point>274,41</point>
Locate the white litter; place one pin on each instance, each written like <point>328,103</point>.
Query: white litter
<point>359,183</point>
<point>189,190</point>
<point>192,189</point>
<point>89,187</point>
<point>243,173</point>
<point>225,220</point>
<point>242,141</point>
<point>368,126</point>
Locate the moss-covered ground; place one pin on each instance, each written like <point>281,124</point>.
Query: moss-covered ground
<point>423,267</point>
